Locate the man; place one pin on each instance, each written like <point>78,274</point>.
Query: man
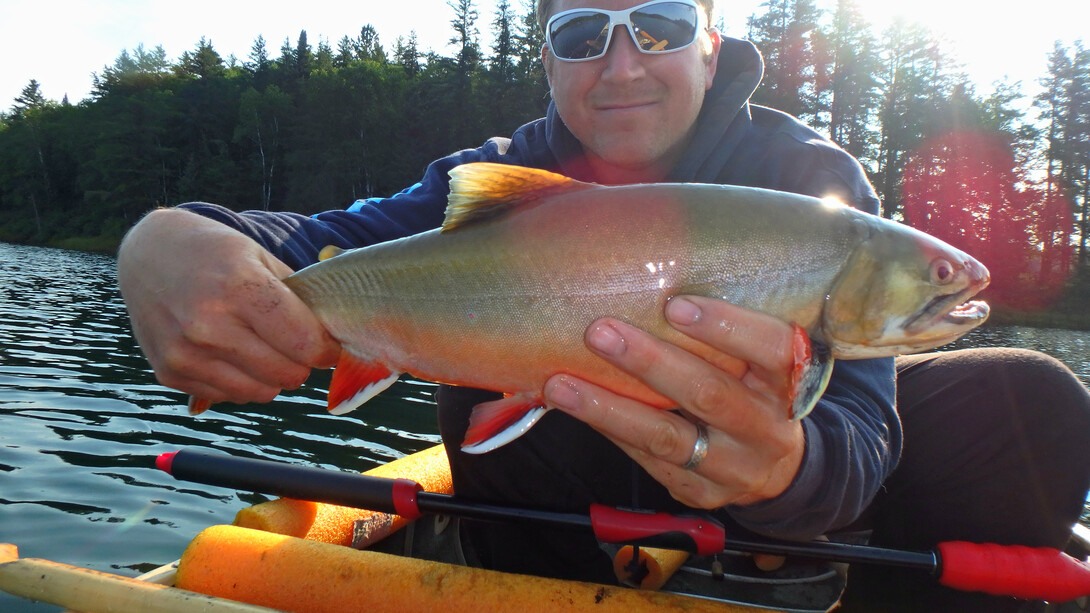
<point>635,100</point>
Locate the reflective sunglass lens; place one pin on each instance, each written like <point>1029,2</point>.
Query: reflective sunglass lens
<point>664,27</point>
<point>579,35</point>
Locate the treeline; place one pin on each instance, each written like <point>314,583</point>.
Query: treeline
<point>320,125</point>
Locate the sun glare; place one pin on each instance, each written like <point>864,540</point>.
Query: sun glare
<point>992,41</point>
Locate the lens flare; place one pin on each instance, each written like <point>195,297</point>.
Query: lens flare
<point>965,188</point>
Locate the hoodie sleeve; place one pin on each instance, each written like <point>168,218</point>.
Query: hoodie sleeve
<point>853,440</point>
<point>296,239</point>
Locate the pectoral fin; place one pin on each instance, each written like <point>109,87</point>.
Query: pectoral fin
<point>494,424</point>
<point>810,375</point>
<point>355,381</point>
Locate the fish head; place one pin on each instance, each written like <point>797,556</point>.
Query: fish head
<point>902,291</point>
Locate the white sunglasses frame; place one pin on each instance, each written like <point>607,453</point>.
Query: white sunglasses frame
<point>624,18</point>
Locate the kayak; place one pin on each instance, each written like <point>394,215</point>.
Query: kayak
<point>295,555</point>
<point>433,545</point>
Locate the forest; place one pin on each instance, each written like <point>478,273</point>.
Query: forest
<point>1000,174</point>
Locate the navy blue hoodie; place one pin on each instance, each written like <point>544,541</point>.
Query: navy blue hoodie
<point>853,437</point>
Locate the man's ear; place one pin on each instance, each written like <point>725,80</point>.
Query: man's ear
<point>711,61</point>
<point>547,60</point>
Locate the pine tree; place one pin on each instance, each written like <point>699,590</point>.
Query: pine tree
<point>204,62</point>
<point>914,81</point>
<point>852,92</point>
<point>467,67</point>
<point>501,73</point>
<point>407,54</point>
<point>788,36</point>
<point>529,41</point>
<point>30,98</point>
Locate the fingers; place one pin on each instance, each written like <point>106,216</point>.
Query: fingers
<point>734,471</point>
<point>211,313</point>
<point>753,449</point>
<point>696,385</point>
<point>281,320</point>
<point>231,360</point>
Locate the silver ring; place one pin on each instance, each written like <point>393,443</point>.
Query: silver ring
<point>700,448</point>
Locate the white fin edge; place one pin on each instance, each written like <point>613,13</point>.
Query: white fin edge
<point>509,433</point>
<point>365,394</point>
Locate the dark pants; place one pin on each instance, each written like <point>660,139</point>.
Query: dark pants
<point>995,451</point>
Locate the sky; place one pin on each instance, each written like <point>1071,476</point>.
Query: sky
<point>60,43</point>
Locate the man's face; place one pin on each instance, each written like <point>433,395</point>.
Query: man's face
<point>631,109</point>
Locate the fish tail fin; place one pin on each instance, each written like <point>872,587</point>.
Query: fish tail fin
<point>355,381</point>
<point>811,373</point>
<point>496,423</point>
<point>483,190</point>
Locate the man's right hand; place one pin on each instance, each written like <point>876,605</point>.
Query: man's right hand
<point>211,313</point>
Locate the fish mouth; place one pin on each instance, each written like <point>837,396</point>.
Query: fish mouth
<point>949,313</point>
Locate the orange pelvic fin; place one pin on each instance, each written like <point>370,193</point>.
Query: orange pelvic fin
<point>810,374</point>
<point>355,381</point>
<point>198,405</point>
<point>494,424</point>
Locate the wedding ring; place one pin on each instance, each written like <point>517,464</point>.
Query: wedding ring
<point>700,448</point>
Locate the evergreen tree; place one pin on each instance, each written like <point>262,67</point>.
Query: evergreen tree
<point>466,71</point>
<point>204,62</point>
<point>914,81</point>
<point>529,40</point>
<point>30,98</point>
<point>788,36</point>
<point>303,56</point>
<point>369,47</point>
<point>502,90</point>
<point>852,93</point>
<point>407,54</point>
<point>259,62</point>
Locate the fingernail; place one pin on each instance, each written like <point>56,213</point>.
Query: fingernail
<point>562,393</point>
<point>605,339</point>
<point>683,311</point>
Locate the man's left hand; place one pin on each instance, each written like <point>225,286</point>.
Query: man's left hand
<point>754,450</point>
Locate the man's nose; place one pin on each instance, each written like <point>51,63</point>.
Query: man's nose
<point>623,60</point>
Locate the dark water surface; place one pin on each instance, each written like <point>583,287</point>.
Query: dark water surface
<point>82,420</point>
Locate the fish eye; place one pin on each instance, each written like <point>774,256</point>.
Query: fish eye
<point>942,272</point>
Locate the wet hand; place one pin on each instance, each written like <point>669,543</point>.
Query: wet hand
<point>752,449</point>
<point>211,314</point>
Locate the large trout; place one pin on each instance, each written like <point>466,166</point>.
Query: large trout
<point>500,296</point>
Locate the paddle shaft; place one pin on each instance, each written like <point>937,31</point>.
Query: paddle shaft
<point>1033,573</point>
<point>700,535</point>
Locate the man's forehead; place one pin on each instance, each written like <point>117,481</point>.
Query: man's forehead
<point>613,5</point>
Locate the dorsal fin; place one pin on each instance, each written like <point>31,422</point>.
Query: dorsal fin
<point>483,190</point>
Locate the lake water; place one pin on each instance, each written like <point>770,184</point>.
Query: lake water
<point>82,420</point>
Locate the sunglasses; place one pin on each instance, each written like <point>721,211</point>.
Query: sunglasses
<point>660,26</point>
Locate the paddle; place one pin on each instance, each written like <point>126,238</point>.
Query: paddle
<point>1008,570</point>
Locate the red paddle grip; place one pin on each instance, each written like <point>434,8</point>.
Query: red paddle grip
<point>1032,573</point>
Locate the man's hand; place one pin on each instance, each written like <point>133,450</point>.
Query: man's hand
<point>754,449</point>
<point>210,311</point>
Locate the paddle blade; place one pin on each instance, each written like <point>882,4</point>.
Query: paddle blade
<point>1031,573</point>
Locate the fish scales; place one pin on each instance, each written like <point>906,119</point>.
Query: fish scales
<point>512,292</point>
<point>502,301</point>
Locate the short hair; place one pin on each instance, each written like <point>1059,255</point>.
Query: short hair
<point>544,8</point>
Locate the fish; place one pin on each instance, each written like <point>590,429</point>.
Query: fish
<point>500,295</point>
